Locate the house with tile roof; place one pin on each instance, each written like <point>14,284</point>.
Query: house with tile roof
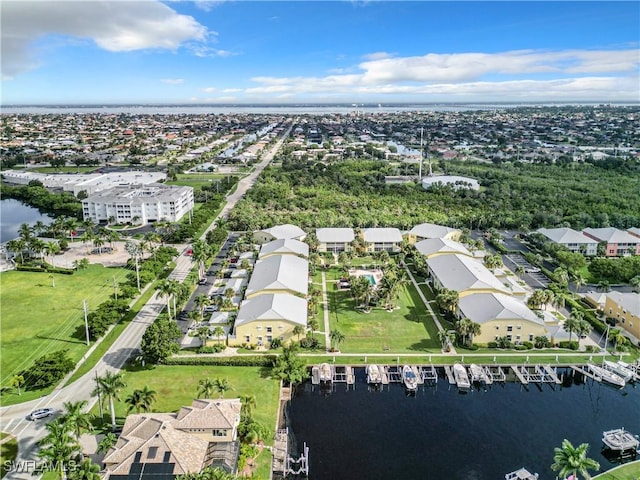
<point>571,240</point>
<point>618,243</point>
<point>162,445</point>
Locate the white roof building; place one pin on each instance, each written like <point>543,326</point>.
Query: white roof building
<point>619,242</point>
<point>482,307</point>
<point>142,204</point>
<point>286,231</point>
<point>571,239</point>
<point>431,230</point>
<point>279,273</point>
<point>439,246</point>
<point>464,275</point>
<point>634,231</point>
<point>278,306</point>
<point>335,235</point>
<point>455,181</point>
<point>284,247</point>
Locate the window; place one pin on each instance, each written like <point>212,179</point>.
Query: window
<point>219,432</point>
<point>153,451</point>
<point>247,338</point>
<point>269,329</point>
<point>518,338</point>
<point>509,328</point>
<point>269,338</point>
<point>497,327</point>
<point>519,327</point>
<point>531,337</point>
<point>259,327</point>
<point>509,337</point>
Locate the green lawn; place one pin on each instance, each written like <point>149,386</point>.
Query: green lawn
<point>408,329</point>
<point>630,471</point>
<point>196,180</point>
<point>37,318</point>
<point>74,169</point>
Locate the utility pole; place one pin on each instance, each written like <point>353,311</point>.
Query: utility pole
<point>115,288</point>
<point>99,396</point>
<point>86,323</point>
<point>137,272</point>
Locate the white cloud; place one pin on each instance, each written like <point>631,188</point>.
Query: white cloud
<point>209,89</point>
<point>205,51</point>
<point>116,26</point>
<point>569,74</point>
<point>231,90</point>
<point>172,81</point>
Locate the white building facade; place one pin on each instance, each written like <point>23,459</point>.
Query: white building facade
<point>138,205</point>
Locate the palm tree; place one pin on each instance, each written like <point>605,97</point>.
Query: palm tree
<point>107,442</point>
<point>201,302</point>
<point>17,381</point>
<point>618,339</point>
<point>570,460</point>
<point>110,386</point>
<point>579,280</point>
<point>445,339</point>
<point>221,385</point>
<point>447,300</point>
<point>520,271</point>
<point>165,289</point>
<point>572,324</point>
<point>635,283</point>
<point>203,333</point>
<point>248,403</point>
<point>59,445</point>
<point>201,253</point>
<point>337,337</point>
<point>561,275</point>
<point>205,387</point>
<point>219,333</point>
<point>313,325</point>
<point>77,419</point>
<point>87,470</point>
<point>141,399</point>
<point>604,286</point>
<point>298,331</point>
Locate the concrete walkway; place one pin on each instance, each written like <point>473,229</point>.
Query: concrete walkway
<point>452,350</point>
<point>325,311</point>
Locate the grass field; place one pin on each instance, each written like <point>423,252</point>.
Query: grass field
<point>408,329</point>
<point>630,471</point>
<point>196,180</point>
<point>37,318</point>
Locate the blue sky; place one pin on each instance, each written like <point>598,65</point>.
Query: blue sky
<point>69,52</point>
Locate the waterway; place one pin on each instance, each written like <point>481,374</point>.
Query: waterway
<point>441,434</point>
<point>13,213</point>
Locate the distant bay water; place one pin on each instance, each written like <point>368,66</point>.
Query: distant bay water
<point>442,435</point>
<point>276,109</point>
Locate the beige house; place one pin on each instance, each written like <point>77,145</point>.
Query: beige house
<point>434,247</point>
<point>624,307</point>
<point>501,315</point>
<point>286,246</point>
<point>464,275</point>
<point>279,232</point>
<point>154,445</point>
<point>268,316</point>
<point>279,274</point>
<point>382,239</point>
<point>335,240</point>
<point>425,231</point>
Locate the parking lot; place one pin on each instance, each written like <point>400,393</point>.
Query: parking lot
<point>532,276</point>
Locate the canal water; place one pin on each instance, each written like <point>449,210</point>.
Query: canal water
<point>13,213</point>
<point>441,434</point>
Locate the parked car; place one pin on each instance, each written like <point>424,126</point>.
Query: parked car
<point>202,281</point>
<point>41,413</point>
<point>211,308</point>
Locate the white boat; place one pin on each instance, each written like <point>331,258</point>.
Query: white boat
<point>522,474</point>
<point>460,376</point>
<point>619,370</point>
<point>477,374</point>
<point>409,378</point>
<point>326,372</point>
<point>373,374</point>
<point>607,376</point>
<point>634,370</point>
<point>619,439</point>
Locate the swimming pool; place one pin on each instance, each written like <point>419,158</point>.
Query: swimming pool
<point>371,278</point>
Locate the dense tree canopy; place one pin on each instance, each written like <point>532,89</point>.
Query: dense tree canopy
<point>513,195</point>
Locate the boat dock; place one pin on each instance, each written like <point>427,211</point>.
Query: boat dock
<point>496,373</point>
<point>427,373</point>
<point>315,375</point>
<point>344,374</point>
<point>586,372</point>
<point>394,373</point>
<point>519,375</point>
<point>621,441</point>
<point>416,371</point>
<point>449,373</point>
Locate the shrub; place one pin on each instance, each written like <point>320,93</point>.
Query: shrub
<point>492,345</point>
<point>571,345</point>
<point>542,342</point>
<point>528,345</point>
<point>521,347</point>
<point>212,349</point>
<point>275,343</point>
<point>310,343</point>
<point>255,361</point>
<point>47,370</point>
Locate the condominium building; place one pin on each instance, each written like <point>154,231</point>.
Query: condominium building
<point>138,205</point>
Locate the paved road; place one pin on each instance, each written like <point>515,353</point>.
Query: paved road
<point>13,418</point>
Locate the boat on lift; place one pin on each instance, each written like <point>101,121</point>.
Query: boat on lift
<point>326,373</point>
<point>461,377</point>
<point>607,376</point>
<point>409,378</point>
<point>373,374</point>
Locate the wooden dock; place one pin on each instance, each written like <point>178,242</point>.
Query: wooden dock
<point>384,376</point>
<point>394,373</point>
<point>315,375</point>
<point>449,372</point>
<point>586,373</point>
<point>428,373</point>
<point>519,375</point>
<point>416,371</point>
<point>496,373</point>
<point>553,374</point>
<point>344,374</point>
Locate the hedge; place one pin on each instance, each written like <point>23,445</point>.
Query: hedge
<point>253,361</point>
<point>39,269</point>
<point>597,324</point>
